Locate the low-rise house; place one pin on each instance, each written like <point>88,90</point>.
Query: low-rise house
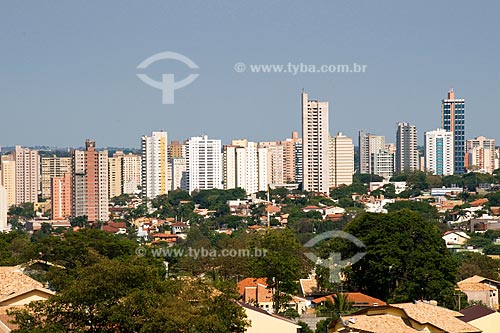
<point>16,291</point>
<point>164,238</point>
<point>119,228</point>
<point>487,320</point>
<point>263,321</point>
<point>403,318</point>
<point>453,238</point>
<point>255,291</point>
<point>324,211</point>
<point>179,228</point>
<point>478,288</point>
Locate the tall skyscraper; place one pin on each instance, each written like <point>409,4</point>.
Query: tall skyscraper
<point>407,158</point>
<point>480,154</point>
<point>453,120</point>
<point>27,175</point>
<point>204,163</point>
<point>53,167</point>
<point>341,160</point>
<point>154,165</point>
<point>61,197</point>
<point>315,145</point>
<point>89,195</point>
<point>439,152</point>
<point>3,209</point>
<point>369,144</point>
<point>8,178</point>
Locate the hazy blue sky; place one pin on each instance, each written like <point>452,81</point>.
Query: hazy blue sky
<point>68,69</point>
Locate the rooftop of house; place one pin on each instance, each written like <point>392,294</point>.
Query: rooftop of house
<point>358,299</point>
<point>250,282</point>
<point>309,286</point>
<point>399,317</point>
<point>475,312</point>
<point>478,279</point>
<point>13,280</point>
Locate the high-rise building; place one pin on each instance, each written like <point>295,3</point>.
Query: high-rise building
<point>53,167</point>
<point>115,174</point>
<point>89,195</point>
<point>453,120</point>
<point>341,160</point>
<point>61,197</point>
<point>8,178</point>
<point>204,163</point>
<point>439,152</point>
<point>480,155</point>
<point>407,159</point>
<point>27,175</point>
<point>131,173</point>
<point>3,209</point>
<point>179,174</point>
<point>155,165</point>
<point>245,166</point>
<point>382,163</point>
<point>314,145</point>
<point>176,150</point>
<point>369,144</point>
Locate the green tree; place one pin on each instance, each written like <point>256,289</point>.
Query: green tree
<point>118,296</point>
<point>283,265</point>
<point>406,259</point>
<point>477,264</point>
<point>422,207</point>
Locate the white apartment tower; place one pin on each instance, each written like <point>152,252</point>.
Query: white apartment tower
<point>245,166</point>
<point>439,158</point>
<point>154,165</point>
<point>204,163</point>
<point>407,158</point>
<point>27,175</point>
<point>315,135</point>
<point>341,160</point>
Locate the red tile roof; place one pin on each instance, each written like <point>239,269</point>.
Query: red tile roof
<point>358,300</point>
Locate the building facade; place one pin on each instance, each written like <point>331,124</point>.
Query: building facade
<point>315,134</point>
<point>179,174</point>
<point>8,178</point>
<point>61,197</point>
<point>53,166</point>
<point>341,160</point>
<point>154,165</point>
<point>89,195</point>
<point>27,175</point>
<point>480,155</point>
<point>204,163</point>
<point>453,120</point>
<point>439,157</point>
<point>368,145</point>
<point>3,209</point>
<point>407,157</point>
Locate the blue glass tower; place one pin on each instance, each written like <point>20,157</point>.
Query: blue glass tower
<point>453,120</point>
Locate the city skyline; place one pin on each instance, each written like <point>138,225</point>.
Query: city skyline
<point>65,85</point>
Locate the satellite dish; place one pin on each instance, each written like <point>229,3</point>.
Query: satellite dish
<point>345,322</point>
<point>352,320</point>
